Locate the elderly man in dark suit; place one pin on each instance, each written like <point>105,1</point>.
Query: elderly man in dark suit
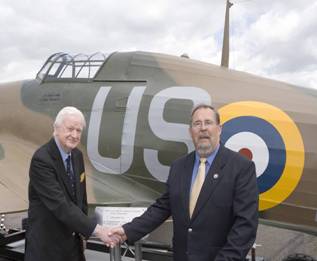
<point>211,195</point>
<point>57,214</point>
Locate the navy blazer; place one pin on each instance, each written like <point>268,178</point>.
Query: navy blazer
<point>224,222</point>
<point>55,216</point>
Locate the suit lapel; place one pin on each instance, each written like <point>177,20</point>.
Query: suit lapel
<point>212,180</point>
<point>186,178</point>
<point>61,171</point>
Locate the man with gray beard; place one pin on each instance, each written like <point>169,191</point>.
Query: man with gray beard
<point>212,196</point>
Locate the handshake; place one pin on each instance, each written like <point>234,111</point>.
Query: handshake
<point>110,236</point>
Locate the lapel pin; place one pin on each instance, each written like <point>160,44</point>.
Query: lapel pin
<point>215,176</point>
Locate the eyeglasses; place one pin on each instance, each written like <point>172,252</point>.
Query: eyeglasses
<point>200,124</point>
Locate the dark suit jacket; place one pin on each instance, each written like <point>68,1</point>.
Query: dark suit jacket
<point>225,219</point>
<point>55,217</point>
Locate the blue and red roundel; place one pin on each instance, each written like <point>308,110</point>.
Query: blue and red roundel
<point>269,137</point>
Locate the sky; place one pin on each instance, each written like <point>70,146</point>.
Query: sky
<point>276,39</point>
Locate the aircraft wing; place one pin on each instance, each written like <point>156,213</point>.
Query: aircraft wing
<point>10,200</point>
<point>15,157</point>
<point>108,189</point>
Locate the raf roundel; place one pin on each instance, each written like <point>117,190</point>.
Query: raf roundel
<point>269,137</point>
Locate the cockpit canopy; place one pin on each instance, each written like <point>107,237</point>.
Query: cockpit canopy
<point>65,66</point>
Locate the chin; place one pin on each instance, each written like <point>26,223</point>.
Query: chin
<point>205,148</point>
<point>72,146</point>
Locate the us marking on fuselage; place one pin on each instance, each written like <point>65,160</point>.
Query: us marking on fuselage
<point>164,130</point>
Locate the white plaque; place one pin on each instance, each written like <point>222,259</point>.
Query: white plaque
<point>117,216</point>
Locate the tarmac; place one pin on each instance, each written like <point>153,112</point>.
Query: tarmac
<point>275,243</point>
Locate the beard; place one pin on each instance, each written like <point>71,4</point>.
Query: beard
<point>204,150</point>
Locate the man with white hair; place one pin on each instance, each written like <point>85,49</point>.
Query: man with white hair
<point>57,214</point>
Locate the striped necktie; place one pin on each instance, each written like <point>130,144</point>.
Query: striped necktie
<point>198,183</point>
<point>70,174</point>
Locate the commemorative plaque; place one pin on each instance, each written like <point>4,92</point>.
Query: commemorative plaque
<point>117,216</point>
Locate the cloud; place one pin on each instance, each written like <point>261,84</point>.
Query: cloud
<point>278,43</point>
<point>270,38</point>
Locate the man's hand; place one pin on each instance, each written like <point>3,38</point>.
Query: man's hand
<point>118,232</point>
<point>102,233</point>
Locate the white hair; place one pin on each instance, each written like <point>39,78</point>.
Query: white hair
<point>68,111</point>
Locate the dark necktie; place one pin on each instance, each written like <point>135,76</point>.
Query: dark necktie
<point>70,174</point>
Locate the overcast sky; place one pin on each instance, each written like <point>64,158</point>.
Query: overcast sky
<point>272,38</point>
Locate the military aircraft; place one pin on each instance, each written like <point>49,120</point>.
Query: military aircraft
<point>137,106</point>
